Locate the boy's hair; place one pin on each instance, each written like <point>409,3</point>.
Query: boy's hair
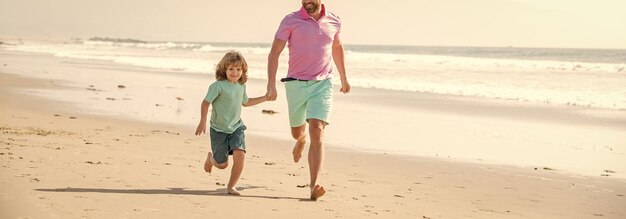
<point>231,58</point>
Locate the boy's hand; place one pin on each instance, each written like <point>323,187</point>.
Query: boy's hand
<point>267,97</point>
<point>201,129</point>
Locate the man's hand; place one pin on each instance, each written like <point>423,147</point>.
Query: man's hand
<point>345,87</point>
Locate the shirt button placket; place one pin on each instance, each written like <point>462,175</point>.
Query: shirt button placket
<point>319,26</point>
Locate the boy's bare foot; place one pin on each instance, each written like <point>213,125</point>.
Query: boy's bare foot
<point>233,191</point>
<point>316,192</point>
<point>297,150</point>
<point>208,165</point>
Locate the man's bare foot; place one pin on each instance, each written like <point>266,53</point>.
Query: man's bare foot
<point>208,165</point>
<point>317,191</point>
<point>233,191</point>
<point>297,150</point>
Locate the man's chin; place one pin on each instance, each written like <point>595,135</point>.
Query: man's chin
<point>310,8</point>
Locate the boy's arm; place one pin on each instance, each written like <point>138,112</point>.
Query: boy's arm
<point>255,101</point>
<point>204,110</point>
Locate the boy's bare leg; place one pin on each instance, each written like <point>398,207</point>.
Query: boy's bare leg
<point>298,134</point>
<point>316,156</point>
<point>209,162</point>
<point>238,161</point>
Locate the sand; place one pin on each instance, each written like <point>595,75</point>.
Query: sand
<point>59,162</point>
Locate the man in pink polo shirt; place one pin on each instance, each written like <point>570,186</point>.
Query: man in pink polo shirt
<point>313,36</point>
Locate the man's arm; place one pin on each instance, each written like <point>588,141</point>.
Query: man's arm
<point>338,57</point>
<point>272,66</point>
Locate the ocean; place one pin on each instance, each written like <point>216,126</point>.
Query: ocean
<point>576,77</point>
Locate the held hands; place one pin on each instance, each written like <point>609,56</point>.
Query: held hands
<point>271,93</point>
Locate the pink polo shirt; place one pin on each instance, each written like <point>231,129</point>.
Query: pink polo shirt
<point>310,43</point>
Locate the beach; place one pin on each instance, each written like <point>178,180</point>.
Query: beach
<point>77,144</point>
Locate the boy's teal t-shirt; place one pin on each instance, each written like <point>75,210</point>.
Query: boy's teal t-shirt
<point>227,99</point>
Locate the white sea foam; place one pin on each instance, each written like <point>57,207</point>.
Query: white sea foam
<point>600,85</point>
<point>158,46</point>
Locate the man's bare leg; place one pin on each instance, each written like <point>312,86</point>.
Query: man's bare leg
<point>317,191</point>
<point>316,156</point>
<point>299,135</point>
<point>238,161</point>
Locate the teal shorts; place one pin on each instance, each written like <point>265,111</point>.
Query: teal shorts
<point>223,144</point>
<point>309,100</point>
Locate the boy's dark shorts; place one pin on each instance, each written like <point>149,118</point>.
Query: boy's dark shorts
<point>223,144</point>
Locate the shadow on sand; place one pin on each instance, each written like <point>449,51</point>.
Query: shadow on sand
<point>170,191</point>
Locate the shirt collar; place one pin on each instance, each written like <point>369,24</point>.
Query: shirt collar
<point>305,15</point>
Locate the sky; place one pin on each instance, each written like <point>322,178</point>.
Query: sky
<point>493,23</point>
